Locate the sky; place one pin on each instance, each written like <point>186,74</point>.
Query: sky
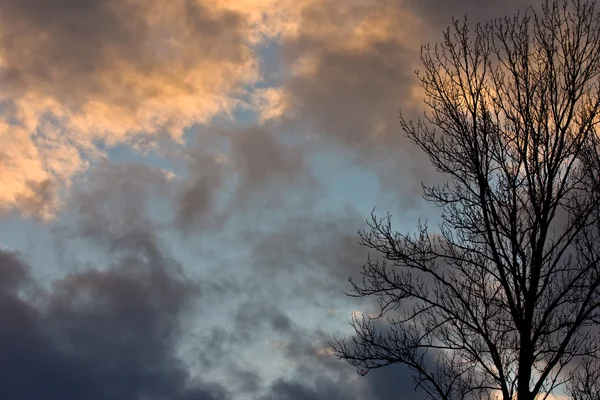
<point>181,185</point>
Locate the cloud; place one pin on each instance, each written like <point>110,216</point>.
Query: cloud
<point>230,171</point>
<point>350,78</point>
<point>127,55</point>
<point>394,381</point>
<point>439,12</point>
<point>314,373</point>
<point>82,76</point>
<point>95,335</point>
<point>350,68</point>
<point>261,315</point>
<point>124,305</point>
<point>318,375</point>
<point>112,210</point>
<point>263,161</point>
<point>198,193</point>
<point>110,328</point>
<point>79,74</point>
<point>22,174</point>
<point>346,82</point>
<point>324,246</point>
<point>321,390</point>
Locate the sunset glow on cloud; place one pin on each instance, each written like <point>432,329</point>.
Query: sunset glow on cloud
<point>82,77</point>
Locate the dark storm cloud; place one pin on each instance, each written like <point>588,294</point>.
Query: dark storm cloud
<point>393,382</point>
<point>96,335</point>
<point>324,389</point>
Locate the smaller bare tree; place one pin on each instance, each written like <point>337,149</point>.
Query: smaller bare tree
<point>585,381</point>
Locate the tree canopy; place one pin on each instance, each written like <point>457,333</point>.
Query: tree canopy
<point>503,300</point>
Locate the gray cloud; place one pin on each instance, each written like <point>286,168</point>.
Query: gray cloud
<point>321,390</point>
<point>96,335</point>
<point>111,210</point>
<point>123,310</point>
<point>356,65</point>
<point>393,382</point>
<point>232,171</point>
<point>262,162</point>
<point>198,195</point>
<point>351,92</point>
<point>259,315</point>
<point>111,329</point>
<point>69,49</point>
<point>440,12</point>
<point>322,245</point>
<point>317,375</point>
<point>356,81</point>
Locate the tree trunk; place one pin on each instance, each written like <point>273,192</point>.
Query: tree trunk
<point>524,379</point>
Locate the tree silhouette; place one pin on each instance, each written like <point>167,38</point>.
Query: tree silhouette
<point>504,299</point>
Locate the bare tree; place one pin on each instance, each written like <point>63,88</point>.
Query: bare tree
<point>585,381</point>
<point>504,299</point>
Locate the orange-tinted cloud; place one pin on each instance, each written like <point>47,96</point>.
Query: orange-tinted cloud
<point>351,68</point>
<point>79,73</point>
